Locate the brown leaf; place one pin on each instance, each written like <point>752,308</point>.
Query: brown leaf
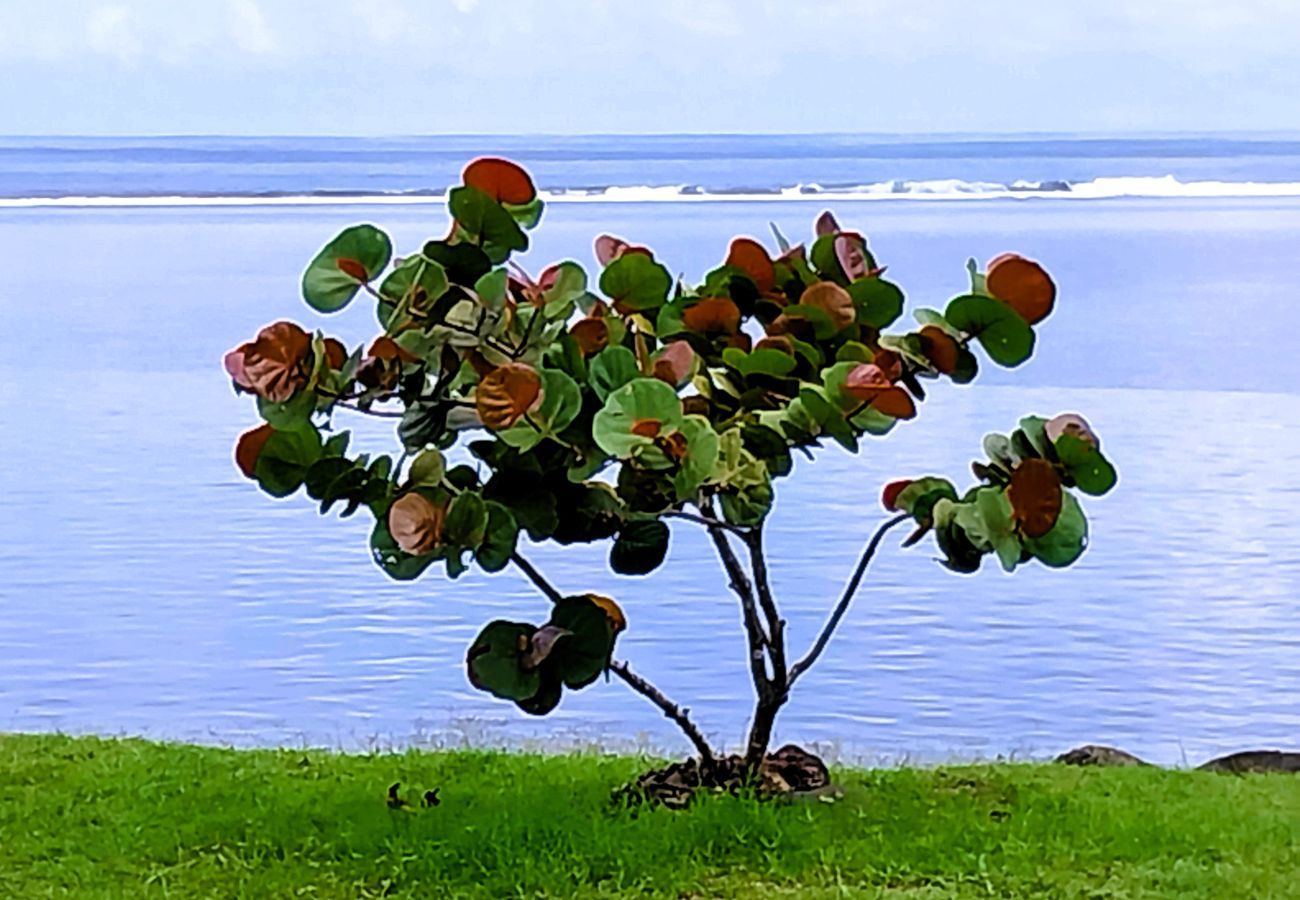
<point>940,348</point>
<point>591,334</point>
<point>336,355</point>
<point>751,257</point>
<point>506,393</point>
<point>1035,495</point>
<point>416,523</point>
<point>833,300</point>
<point>868,383</point>
<point>273,365</point>
<point>713,315</point>
<point>500,179</point>
<point>1023,285</point>
<point>249,448</point>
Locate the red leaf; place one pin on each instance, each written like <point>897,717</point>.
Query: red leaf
<point>713,315</point>
<point>868,383</point>
<point>249,448</point>
<point>1035,495</point>
<point>751,257</point>
<point>591,334</point>
<point>500,179</point>
<point>1023,285</point>
<point>889,497</point>
<point>940,348</point>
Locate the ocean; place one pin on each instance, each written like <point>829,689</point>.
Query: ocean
<point>146,588</point>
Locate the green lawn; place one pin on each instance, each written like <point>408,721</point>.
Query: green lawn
<point>86,817</point>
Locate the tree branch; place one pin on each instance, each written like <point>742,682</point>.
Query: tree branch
<point>740,584</point>
<point>536,578</point>
<point>670,709</point>
<point>842,607</point>
<point>621,669</point>
<point>775,624</point>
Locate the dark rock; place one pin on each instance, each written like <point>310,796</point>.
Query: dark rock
<point>1254,761</point>
<point>1097,755</point>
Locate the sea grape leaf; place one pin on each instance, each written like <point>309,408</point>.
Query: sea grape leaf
<point>636,283</point>
<point>640,547</point>
<point>354,257</point>
<point>1004,335</point>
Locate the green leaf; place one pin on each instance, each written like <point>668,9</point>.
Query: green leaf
<point>499,541</point>
<point>1005,337</point>
<point>491,289</point>
<point>641,400</point>
<point>482,221</point>
<point>285,458</point>
<point>568,284</point>
<point>701,456</point>
<point>494,661</point>
<point>427,469</point>
<point>640,547</point>
<point>763,361</point>
<point>583,654</point>
<point>610,369</point>
<point>526,214</point>
<point>1090,470</point>
<point>413,272</point>
<point>561,403</point>
<point>636,282</point>
<point>1068,538</point>
<point>878,302</point>
<point>467,520</point>
<point>919,497</point>
<point>989,523</point>
<point>330,280</point>
<point>293,413</point>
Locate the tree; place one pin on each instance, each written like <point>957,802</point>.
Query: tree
<point>598,415</point>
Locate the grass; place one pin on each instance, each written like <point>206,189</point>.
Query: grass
<point>86,817</point>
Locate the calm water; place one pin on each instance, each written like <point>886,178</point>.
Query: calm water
<point>145,588</point>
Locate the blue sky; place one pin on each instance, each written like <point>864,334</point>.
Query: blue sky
<point>583,66</point>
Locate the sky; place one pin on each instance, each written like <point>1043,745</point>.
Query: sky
<point>380,67</point>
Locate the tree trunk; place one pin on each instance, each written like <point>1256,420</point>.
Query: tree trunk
<point>760,733</point>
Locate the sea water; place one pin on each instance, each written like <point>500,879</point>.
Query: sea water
<point>146,588</point>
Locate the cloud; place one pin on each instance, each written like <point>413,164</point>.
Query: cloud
<point>111,30</point>
<point>249,28</point>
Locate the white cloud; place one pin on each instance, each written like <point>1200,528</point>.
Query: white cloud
<point>112,31</point>
<point>249,28</point>
<point>465,6</point>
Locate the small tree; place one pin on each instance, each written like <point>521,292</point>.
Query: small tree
<point>599,416</point>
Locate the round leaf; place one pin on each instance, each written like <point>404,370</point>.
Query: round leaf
<point>583,653</point>
<point>356,256</point>
<point>1066,541</point>
<point>1004,335</point>
<point>635,282</point>
<point>622,425</point>
<point>640,547</point>
<point>1035,495</point>
<point>501,179</point>
<point>878,302</point>
<point>494,661</point>
<point>506,393</point>
<point>1023,285</point>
